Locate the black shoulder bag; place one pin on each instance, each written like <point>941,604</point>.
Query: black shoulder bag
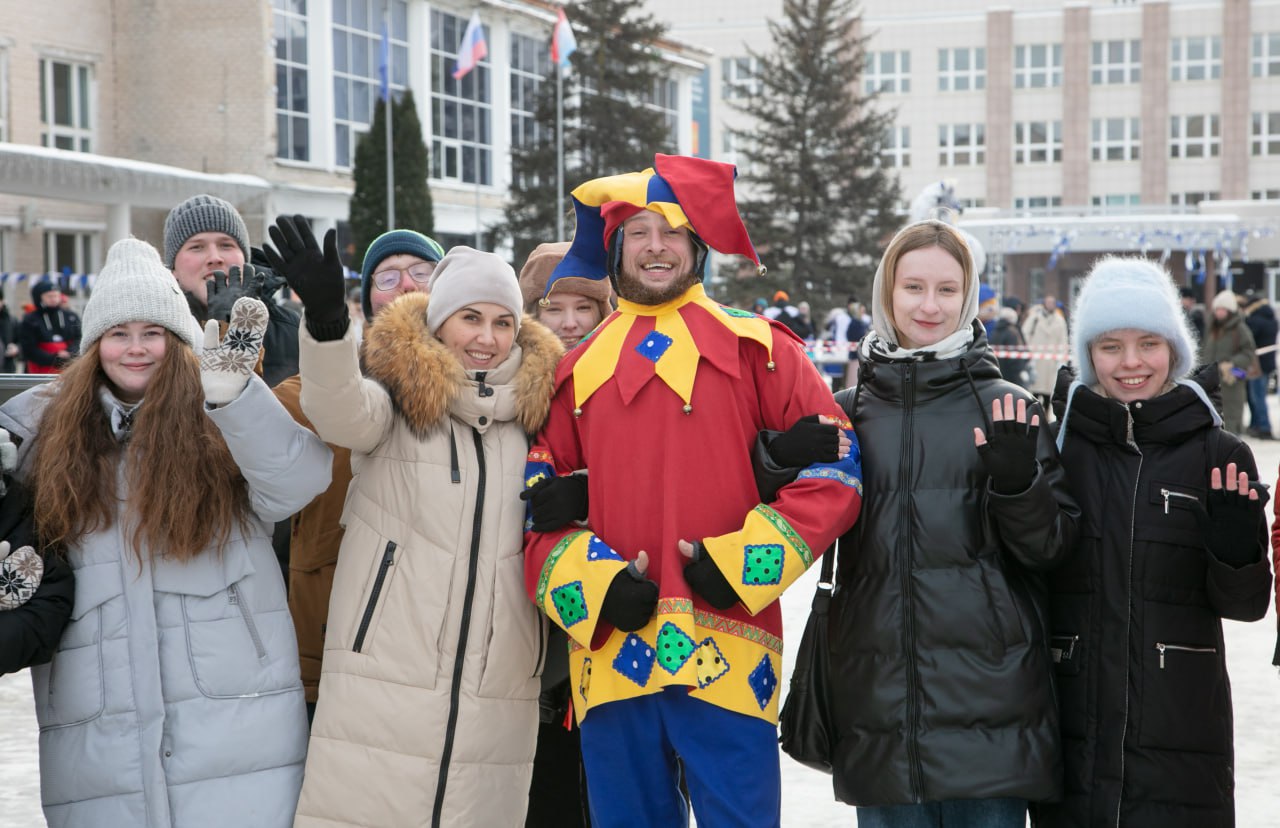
<point>806,729</point>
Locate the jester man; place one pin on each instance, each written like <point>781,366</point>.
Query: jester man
<point>669,592</point>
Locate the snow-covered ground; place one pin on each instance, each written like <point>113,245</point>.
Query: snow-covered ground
<point>807,801</point>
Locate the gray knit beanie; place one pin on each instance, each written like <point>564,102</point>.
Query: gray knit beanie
<point>466,276</point>
<point>133,286</point>
<point>202,214</point>
<point>1129,292</point>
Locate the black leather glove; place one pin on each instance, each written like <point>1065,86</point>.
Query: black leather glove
<point>1230,525</point>
<point>630,600</point>
<point>805,443</point>
<point>557,501</point>
<point>1010,455</point>
<point>317,278</point>
<point>225,288</point>
<point>706,579</point>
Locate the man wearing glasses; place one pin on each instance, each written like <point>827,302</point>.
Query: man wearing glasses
<point>397,262</point>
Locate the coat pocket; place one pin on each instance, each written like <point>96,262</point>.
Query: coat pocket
<point>516,643</point>
<point>385,562</point>
<point>239,642</point>
<point>1186,697</point>
<point>71,689</point>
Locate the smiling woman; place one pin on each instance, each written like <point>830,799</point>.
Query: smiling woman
<point>129,354</point>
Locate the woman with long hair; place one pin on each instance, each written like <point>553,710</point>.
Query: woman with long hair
<point>173,698</point>
<point>941,674</point>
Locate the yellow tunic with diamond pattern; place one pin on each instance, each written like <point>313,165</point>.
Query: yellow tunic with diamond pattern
<point>662,406</point>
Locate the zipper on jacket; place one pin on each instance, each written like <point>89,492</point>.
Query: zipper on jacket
<point>388,558</point>
<point>233,595</point>
<point>459,660</point>
<point>1168,493</point>
<point>1182,648</point>
<point>908,620</point>
<point>1128,591</point>
<point>1065,652</point>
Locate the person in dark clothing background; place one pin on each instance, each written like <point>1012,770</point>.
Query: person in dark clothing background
<point>1192,311</point>
<point>1008,334</point>
<point>1176,541</point>
<point>9,347</point>
<point>1261,319</point>
<point>50,334</point>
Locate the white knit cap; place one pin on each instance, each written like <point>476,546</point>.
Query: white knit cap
<point>1226,300</point>
<point>1134,293</point>
<point>466,276</point>
<point>134,286</point>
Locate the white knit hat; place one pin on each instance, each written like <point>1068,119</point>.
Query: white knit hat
<point>466,276</point>
<point>134,286</point>
<point>1226,300</point>
<point>1130,292</point>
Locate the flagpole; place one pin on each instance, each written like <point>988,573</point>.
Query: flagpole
<point>391,164</point>
<point>559,153</point>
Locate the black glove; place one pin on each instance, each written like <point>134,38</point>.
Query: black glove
<point>630,600</point>
<point>706,579</point>
<point>225,288</point>
<point>557,501</point>
<point>316,277</point>
<point>805,443</point>
<point>197,308</point>
<point>1010,456</point>
<point>1230,526</point>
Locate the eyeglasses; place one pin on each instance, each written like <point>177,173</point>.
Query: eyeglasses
<point>390,277</point>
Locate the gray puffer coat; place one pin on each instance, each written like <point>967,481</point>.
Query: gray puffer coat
<point>173,700</point>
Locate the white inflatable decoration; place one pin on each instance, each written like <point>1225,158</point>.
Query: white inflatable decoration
<point>938,201</point>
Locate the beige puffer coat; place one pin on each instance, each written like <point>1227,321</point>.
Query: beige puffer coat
<point>428,693</point>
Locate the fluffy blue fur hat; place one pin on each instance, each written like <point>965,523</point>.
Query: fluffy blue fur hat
<point>1130,292</point>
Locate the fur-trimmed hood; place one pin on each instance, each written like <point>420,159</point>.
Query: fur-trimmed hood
<point>425,379</point>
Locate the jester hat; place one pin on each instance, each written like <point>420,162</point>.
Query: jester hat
<point>687,192</point>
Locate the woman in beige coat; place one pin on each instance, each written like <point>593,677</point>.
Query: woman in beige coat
<point>428,692</point>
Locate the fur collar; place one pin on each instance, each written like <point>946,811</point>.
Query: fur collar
<point>424,378</point>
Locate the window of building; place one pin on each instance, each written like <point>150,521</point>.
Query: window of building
<point>1265,195</point>
<point>895,147</point>
<point>1029,203</point>
<point>665,101</point>
<point>66,105</point>
<point>1192,199</point>
<point>960,70</point>
<point>1266,55</point>
<point>887,72</point>
<point>1037,142</point>
<point>357,68</point>
<point>1037,66</point>
<point>461,110</point>
<point>68,250</point>
<point>969,203</point>
<point>1193,136</point>
<point>1195,58</point>
<point>530,66</point>
<point>1116,61</point>
<point>739,77</point>
<point>289,22</point>
<point>1116,139</point>
<point>1266,133</point>
<point>1116,200</point>
<point>961,145</point>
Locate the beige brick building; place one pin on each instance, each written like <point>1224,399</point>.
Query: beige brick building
<point>112,112</point>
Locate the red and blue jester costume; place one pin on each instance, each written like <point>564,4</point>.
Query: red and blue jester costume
<point>632,406</point>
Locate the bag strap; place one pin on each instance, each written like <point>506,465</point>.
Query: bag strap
<point>822,595</point>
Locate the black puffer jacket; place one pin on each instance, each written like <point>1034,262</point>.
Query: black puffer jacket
<point>1142,675</point>
<point>30,633</point>
<point>939,640</point>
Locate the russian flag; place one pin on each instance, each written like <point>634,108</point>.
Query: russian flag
<point>563,43</point>
<point>472,49</point>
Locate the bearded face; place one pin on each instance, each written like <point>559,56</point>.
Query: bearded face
<point>657,260</point>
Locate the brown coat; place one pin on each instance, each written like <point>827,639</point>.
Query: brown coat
<point>429,686</point>
<point>314,536</point>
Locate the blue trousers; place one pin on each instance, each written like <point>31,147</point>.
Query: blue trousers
<point>730,763</point>
<point>1259,418</point>
<point>954,813</point>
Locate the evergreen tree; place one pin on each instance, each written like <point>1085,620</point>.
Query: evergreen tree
<point>412,195</point>
<point>818,203</point>
<point>608,127</point>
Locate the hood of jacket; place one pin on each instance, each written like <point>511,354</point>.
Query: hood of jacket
<point>426,381</point>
